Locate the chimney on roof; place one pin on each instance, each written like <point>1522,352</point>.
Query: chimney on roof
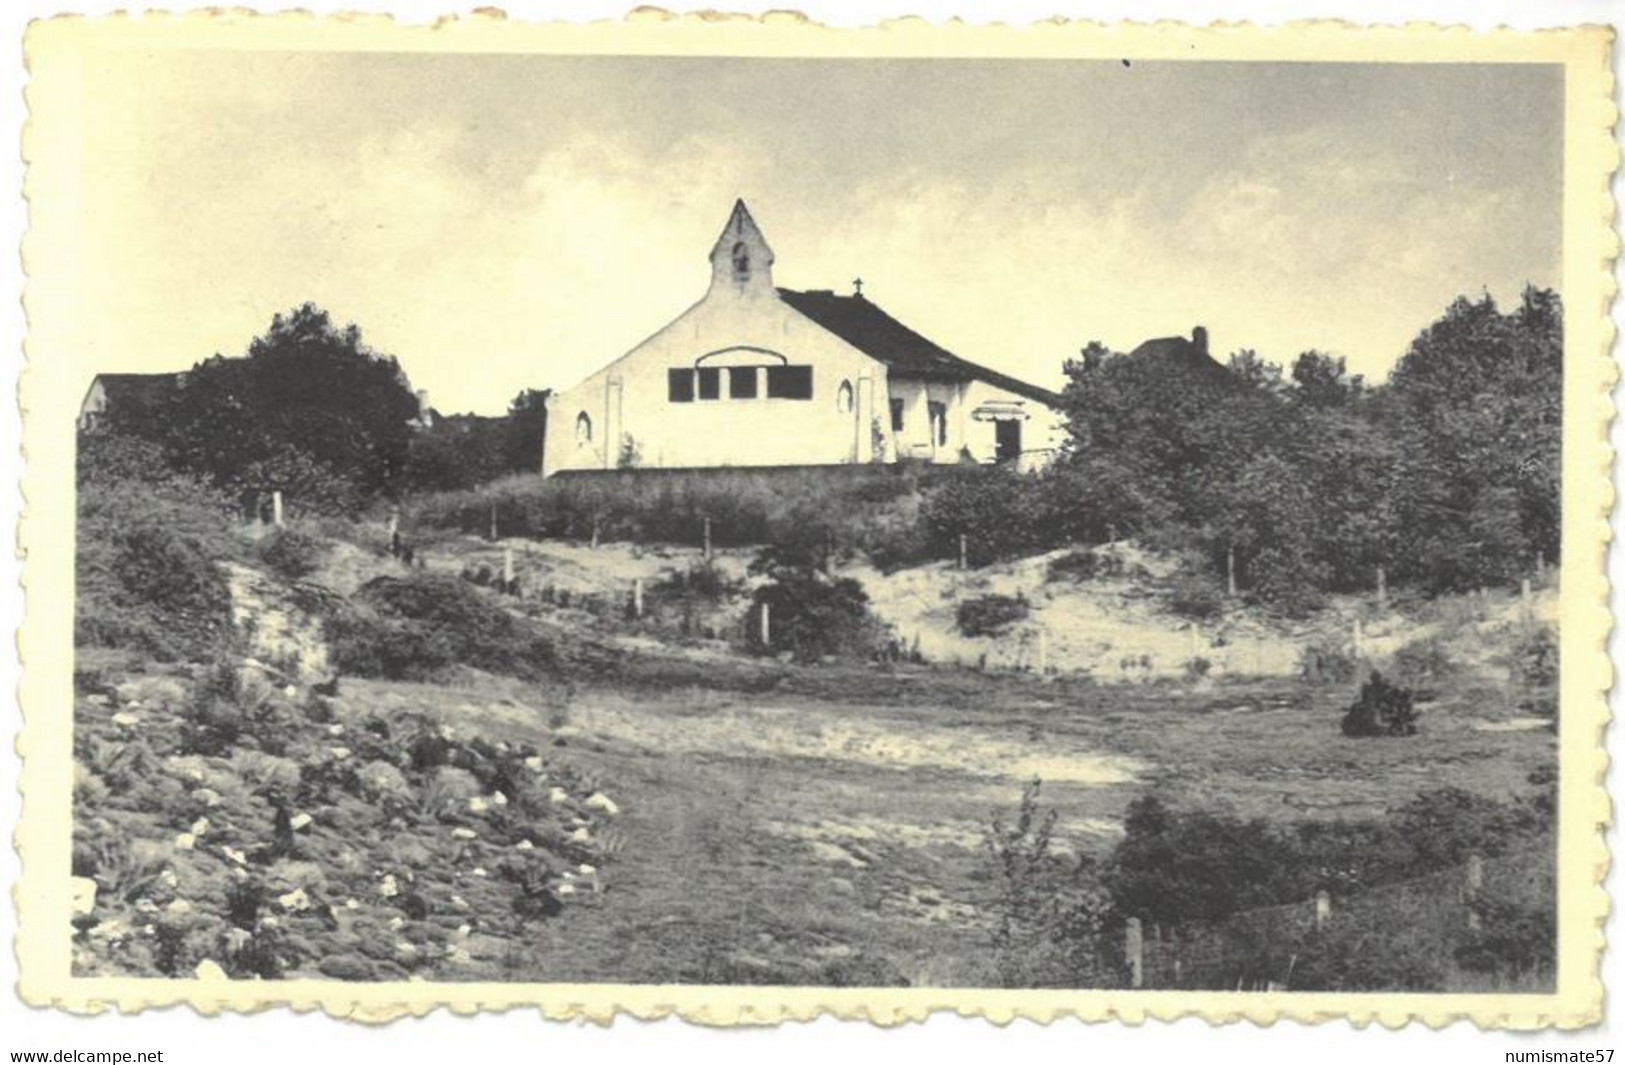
<point>1199,338</point>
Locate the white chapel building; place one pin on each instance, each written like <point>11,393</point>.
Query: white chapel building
<point>754,375</point>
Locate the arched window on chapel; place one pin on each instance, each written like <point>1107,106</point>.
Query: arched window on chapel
<point>843,398</point>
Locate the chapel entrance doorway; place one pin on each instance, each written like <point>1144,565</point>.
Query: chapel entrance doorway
<point>1006,440</point>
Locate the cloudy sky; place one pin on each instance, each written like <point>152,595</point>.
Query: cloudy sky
<point>502,222</point>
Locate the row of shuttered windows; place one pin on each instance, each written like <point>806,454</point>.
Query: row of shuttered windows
<point>686,385</point>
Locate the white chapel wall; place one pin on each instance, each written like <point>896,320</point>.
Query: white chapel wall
<point>632,415</point>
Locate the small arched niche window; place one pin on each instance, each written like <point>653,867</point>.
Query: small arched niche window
<point>843,398</point>
<point>741,258</point>
<point>583,428</point>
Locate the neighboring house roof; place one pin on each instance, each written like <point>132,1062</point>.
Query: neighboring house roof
<point>467,421</point>
<point>137,387</point>
<point>1185,353</point>
<point>877,334</point>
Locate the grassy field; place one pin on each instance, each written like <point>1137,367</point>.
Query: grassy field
<point>771,823</point>
<point>815,837</point>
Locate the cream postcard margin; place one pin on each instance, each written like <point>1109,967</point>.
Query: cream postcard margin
<point>61,56</point>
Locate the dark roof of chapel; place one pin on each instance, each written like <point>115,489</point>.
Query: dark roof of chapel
<point>877,334</point>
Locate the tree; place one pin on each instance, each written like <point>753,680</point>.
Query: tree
<point>1476,409</point>
<point>310,411</point>
<point>526,430</point>
<point>1322,380</point>
<point>459,451</point>
<point>1256,372</point>
<point>1171,426</point>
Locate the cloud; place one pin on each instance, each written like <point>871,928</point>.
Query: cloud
<point>492,256</point>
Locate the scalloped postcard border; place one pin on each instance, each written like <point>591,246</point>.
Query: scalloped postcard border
<point>58,52</point>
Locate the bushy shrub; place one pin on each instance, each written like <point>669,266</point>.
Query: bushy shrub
<point>292,554</point>
<point>1237,894</point>
<point>1512,942</point>
<point>1079,565</point>
<point>813,616</point>
<point>891,536</point>
<point>668,509</point>
<point>1445,826</point>
<point>998,512</point>
<point>703,580</point>
<point>1327,662</point>
<point>1535,657</point>
<point>1288,581</point>
<point>1421,662</point>
<point>1381,709</point>
<point>1048,911</point>
<point>1175,867</point>
<point>1390,957</point>
<point>417,627</point>
<point>1091,501</point>
<point>149,544</point>
<point>881,490</point>
<point>991,615</point>
<point>687,597</point>
<point>1195,595</point>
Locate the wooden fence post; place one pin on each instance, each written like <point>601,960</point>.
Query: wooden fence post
<point>1134,952</point>
<point>493,534</point>
<point>637,597</point>
<point>1524,593</point>
<point>394,523</point>
<point>705,549</point>
<point>1382,587</point>
<point>767,624</point>
<point>1475,884</point>
<point>276,508</point>
<point>1230,571</point>
<point>1540,566</point>
<point>1323,909</point>
<point>595,531</point>
<point>507,568</point>
<point>962,551</point>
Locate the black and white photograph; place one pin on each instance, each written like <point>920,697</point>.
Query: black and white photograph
<point>826,521</point>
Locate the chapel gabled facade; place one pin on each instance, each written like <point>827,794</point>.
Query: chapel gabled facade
<point>755,375</point>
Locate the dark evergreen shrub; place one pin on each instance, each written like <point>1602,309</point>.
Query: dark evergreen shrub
<point>292,554</point>
<point>415,627</point>
<point>813,616</point>
<point>1382,709</point>
<point>990,615</point>
<point>1195,595</point>
<point>1078,565</point>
